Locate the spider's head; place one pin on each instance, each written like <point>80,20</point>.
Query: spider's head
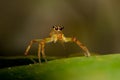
<point>58,28</point>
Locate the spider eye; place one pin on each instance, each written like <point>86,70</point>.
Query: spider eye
<point>61,28</point>
<point>56,28</point>
<point>53,26</point>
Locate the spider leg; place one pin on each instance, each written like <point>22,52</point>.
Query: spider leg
<point>43,42</point>
<point>43,51</point>
<point>87,53</point>
<point>39,49</point>
<point>41,45</point>
<point>83,47</point>
<point>29,46</point>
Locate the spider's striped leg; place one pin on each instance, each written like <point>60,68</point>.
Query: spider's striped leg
<point>41,47</point>
<point>87,53</point>
<point>43,42</point>
<point>29,46</point>
<point>84,48</point>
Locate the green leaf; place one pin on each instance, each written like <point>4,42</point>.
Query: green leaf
<point>105,67</point>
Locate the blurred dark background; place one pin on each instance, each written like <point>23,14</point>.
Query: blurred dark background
<point>96,23</point>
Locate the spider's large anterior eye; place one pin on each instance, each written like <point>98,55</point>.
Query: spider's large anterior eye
<point>56,28</point>
<point>61,28</point>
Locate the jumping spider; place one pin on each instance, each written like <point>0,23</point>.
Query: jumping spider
<point>56,34</point>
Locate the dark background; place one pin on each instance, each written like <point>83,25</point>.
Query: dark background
<point>96,23</point>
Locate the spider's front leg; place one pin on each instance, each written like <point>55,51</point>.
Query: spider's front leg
<point>41,45</point>
<point>74,39</point>
<point>29,46</point>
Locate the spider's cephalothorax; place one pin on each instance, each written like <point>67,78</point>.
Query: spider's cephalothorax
<point>55,35</point>
<point>56,30</point>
